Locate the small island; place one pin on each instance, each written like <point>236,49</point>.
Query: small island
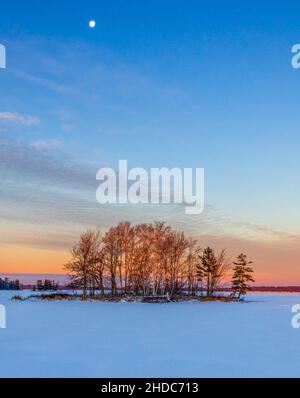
<point>149,263</point>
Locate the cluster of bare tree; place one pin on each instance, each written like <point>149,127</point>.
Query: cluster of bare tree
<point>145,259</point>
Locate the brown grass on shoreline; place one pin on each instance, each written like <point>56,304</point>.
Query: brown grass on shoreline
<point>119,298</point>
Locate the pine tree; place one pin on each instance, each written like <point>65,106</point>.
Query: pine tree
<point>241,276</point>
<point>206,269</point>
<point>200,276</point>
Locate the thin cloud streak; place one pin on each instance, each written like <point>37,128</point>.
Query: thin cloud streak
<point>46,144</point>
<point>19,119</point>
<point>42,188</point>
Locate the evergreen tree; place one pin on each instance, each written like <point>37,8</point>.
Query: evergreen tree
<point>200,277</point>
<point>206,269</point>
<point>241,276</point>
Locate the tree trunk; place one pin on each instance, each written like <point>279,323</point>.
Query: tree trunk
<point>101,286</point>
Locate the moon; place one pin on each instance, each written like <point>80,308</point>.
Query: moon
<point>92,24</point>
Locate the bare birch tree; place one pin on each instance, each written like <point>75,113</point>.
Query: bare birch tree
<point>84,255</point>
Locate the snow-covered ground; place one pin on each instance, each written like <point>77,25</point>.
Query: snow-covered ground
<point>92,339</point>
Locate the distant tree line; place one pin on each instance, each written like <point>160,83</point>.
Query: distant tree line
<point>46,285</point>
<point>6,284</point>
<point>151,259</point>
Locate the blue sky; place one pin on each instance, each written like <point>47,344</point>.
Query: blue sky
<point>162,84</point>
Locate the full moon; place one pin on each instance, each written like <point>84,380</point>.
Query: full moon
<point>92,24</point>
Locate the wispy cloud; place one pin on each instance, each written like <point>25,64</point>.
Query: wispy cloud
<point>19,119</point>
<point>18,159</point>
<point>56,181</point>
<point>52,85</point>
<point>46,144</point>
<point>107,80</point>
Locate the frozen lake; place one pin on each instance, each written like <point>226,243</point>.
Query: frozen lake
<point>92,339</point>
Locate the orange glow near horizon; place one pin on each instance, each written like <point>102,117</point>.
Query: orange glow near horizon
<point>24,260</point>
<point>16,259</point>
